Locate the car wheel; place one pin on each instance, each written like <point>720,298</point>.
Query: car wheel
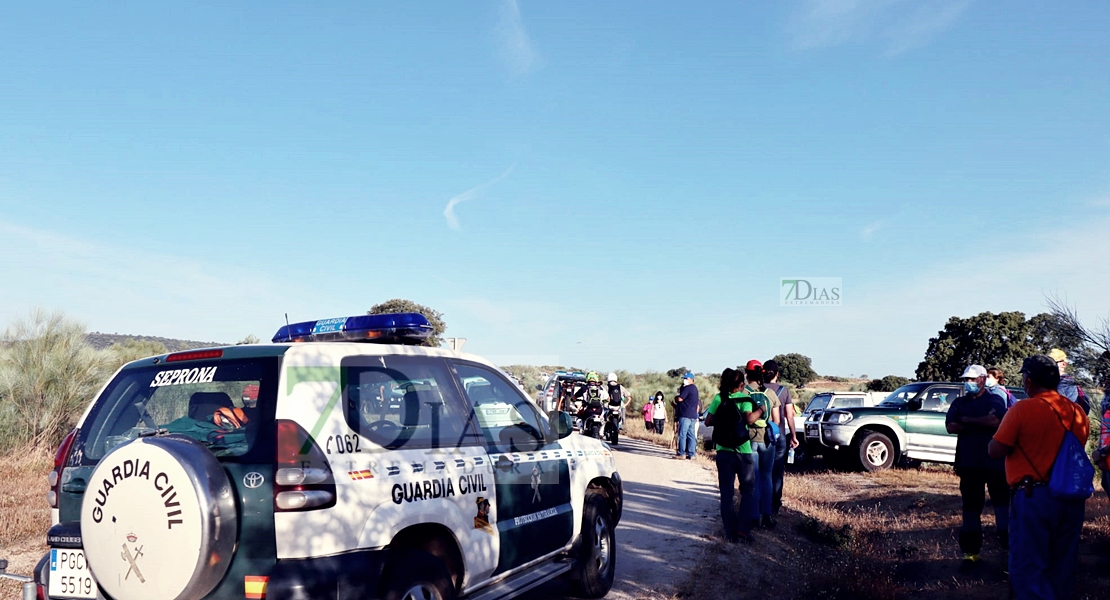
<point>876,452</point>
<point>180,551</point>
<point>596,550</point>
<point>417,575</point>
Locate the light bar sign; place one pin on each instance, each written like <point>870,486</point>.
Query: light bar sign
<point>329,325</point>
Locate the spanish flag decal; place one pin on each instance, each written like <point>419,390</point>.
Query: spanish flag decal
<point>255,587</point>
<point>360,475</point>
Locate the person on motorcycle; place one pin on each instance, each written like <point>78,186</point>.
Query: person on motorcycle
<point>618,396</point>
<point>593,397</point>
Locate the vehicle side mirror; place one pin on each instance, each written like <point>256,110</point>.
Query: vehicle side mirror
<point>562,424</point>
<point>914,404</point>
<point>539,386</point>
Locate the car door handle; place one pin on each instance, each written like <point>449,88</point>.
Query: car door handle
<point>504,463</point>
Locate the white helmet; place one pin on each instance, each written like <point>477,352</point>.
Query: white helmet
<point>612,378</point>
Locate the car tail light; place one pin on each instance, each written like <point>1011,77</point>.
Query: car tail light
<point>303,480</point>
<point>55,476</point>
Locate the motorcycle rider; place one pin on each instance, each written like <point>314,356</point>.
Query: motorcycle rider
<point>618,396</point>
<point>593,397</point>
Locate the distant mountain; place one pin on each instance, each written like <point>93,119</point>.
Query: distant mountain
<point>101,341</point>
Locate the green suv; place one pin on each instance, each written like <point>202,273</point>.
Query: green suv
<point>908,424</point>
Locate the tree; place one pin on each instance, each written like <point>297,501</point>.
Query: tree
<point>679,372</point>
<point>121,353</point>
<point>400,305</point>
<point>1000,340</point>
<point>887,384</point>
<point>1088,348</point>
<point>795,368</point>
<point>47,375</point>
<point>250,338</point>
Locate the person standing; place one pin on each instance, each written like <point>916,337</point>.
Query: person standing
<point>996,384</point>
<point>974,417</point>
<point>649,415</point>
<point>660,413</point>
<point>1044,530</point>
<point>729,413</point>
<point>687,407</point>
<point>618,396</point>
<point>788,439</point>
<point>1068,387</point>
<point>763,438</point>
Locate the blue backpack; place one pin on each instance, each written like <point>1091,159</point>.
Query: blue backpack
<point>1072,475</point>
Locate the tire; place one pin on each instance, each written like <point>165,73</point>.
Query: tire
<point>614,436</point>
<point>595,552</point>
<point>595,431</point>
<point>875,451</point>
<point>194,544</point>
<point>417,575</point>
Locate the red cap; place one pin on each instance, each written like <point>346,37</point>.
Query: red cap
<point>752,364</point>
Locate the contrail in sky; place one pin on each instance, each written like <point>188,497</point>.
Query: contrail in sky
<point>474,192</point>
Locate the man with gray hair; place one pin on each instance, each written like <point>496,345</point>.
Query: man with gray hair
<point>974,417</point>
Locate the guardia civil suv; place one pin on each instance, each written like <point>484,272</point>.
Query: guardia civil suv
<point>319,467</point>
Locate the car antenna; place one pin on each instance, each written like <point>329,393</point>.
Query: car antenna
<point>287,321</point>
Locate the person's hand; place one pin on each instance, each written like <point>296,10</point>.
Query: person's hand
<point>794,441</point>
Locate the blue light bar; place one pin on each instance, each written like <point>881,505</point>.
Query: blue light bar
<point>397,328</point>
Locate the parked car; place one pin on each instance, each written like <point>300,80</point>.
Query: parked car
<point>554,393</point>
<point>285,471</point>
<point>908,424</point>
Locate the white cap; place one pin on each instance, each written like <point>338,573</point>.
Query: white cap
<point>612,378</point>
<point>974,372</point>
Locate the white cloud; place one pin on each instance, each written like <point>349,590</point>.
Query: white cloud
<point>474,192</point>
<point>517,49</point>
<point>870,230</point>
<point>900,24</point>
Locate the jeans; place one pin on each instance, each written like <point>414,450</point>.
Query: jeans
<point>778,472</point>
<point>730,466</point>
<point>1044,544</point>
<point>972,482</point>
<point>659,426</point>
<point>765,462</point>
<point>1106,483</point>
<point>687,437</point>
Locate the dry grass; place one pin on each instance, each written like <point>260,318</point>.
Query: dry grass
<point>24,514</point>
<point>878,536</point>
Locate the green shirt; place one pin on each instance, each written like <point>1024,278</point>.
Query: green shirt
<point>769,402</point>
<point>744,406</point>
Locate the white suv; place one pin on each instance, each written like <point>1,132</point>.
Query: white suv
<point>317,467</point>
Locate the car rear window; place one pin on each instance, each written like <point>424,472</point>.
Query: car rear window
<point>220,403</point>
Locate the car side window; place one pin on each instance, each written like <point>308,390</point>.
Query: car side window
<point>508,421</point>
<point>404,402</point>
<point>938,399</point>
<point>852,402</point>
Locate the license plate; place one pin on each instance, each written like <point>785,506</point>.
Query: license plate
<point>811,430</point>
<point>69,574</point>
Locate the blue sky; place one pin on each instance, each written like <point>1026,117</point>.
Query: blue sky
<point>614,185</point>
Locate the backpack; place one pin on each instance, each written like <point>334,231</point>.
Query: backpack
<point>729,428</point>
<point>1072,475</point>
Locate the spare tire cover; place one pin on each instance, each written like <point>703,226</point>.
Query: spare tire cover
<point>158,520</point>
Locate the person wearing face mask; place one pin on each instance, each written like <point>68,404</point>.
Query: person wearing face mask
<point>996,384</point>
<point>974,418</point>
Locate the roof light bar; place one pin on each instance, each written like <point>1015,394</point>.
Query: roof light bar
<point>397,328</point>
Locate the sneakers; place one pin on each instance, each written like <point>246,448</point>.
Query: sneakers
<point>767,522</point>
<point>969,563</point>
<point>741,538</point>
<point>678,457</point>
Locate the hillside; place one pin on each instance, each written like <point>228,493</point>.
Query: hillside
<point>101,341</point>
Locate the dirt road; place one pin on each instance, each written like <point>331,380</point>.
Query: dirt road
<point>670,511</point>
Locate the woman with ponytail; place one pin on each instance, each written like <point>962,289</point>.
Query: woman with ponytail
<point>764,439</point>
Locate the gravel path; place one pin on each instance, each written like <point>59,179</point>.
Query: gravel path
<point>670,511</point>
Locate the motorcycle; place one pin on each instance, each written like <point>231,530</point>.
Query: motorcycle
<point>612,423</point>
<point>593,420</point>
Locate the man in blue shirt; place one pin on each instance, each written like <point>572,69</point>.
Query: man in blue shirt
<point>686,409</point>
<point>974,417</point>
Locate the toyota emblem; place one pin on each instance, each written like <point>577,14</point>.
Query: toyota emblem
<point>253,480</point>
